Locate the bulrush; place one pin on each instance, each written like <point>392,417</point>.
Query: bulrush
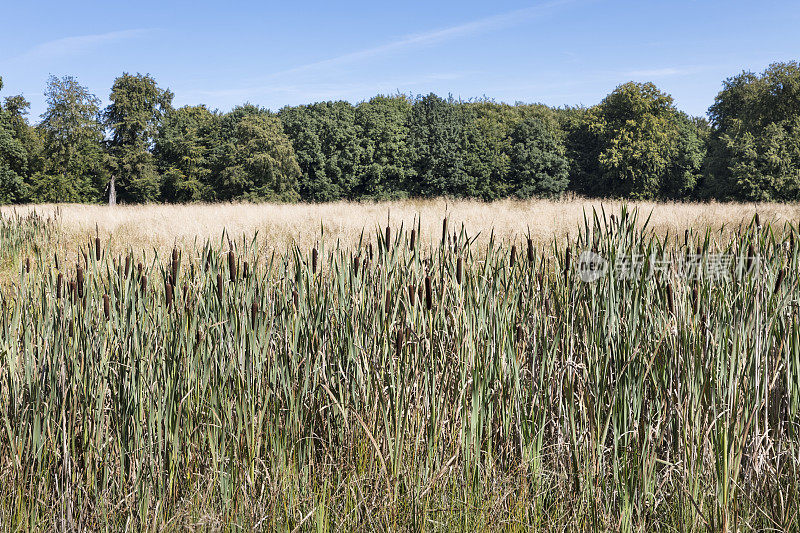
<point>139,270</point>
<point>530,250</point>
<point>458,270</point>
<point>73,290</point>
<point>398,341</point>
<point>412,292</point>
<point>97,249</point>
<point>444,231</point>
<point>567,258</point>
<point>356,262</point>
<point>686,238</point>
<point>106,306</point>
<point>143,283</point>
<point>253,314</point>
<point>428,293</point>
<point>295,298</point>
<point>387,307</point>
<point>219,286</point>
<point>168,295</point>
<point>779,280</point>
<point>246,270</point>
<point>413,239</point>
<point>520,333</point>
<point>59,282</point>
<point>388,238</point>
<point>513,255</point>
<point>757,221</point>
<point>175,264</point>
<point>79,278</point>
<point>670,300</point>
<point>232,265</point>
<point>71,328</point>
<point>127,265</point>
<point>314,260</point>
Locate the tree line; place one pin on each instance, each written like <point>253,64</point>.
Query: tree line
<point>634,144</point>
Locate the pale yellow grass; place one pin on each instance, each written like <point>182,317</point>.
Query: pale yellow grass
<point>278,226</point>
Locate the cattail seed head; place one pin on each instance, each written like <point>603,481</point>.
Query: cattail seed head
<point>139,269</point>
<point>413,239</point>
<point>459,268</point>
<point>387,306</point>
<point>356,262</point>
<point>398,341</point>
<point>412,291</point>
<point>779,280</point>
<point>175,266</point>
<point>59,282</point>
<point>219,286</point>
<point>686,237</point>
<point>314,260</point>
<point>530,250</point>
<point>253,313</point>
<point>246,270</point>
<point>79,283</point>
<point>232,265</point>
<point>695,299</point>
<point>295,298</point>
<point>97,249</point>
<point>168,295</point>
<point>757,221</point>
<point>567,258</point>
<point>388,237</point>
<point>127,265</point>
<point>106,306</point>
<point>143,283</point>
<point>670,300</point>
<point>71,328</point>
<point>513,255</point>
<point>444,231</point>
<point>520,333</point>
<point>73,290</point>
<point>428,293</point>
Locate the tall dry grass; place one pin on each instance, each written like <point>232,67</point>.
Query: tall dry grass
<point>280,225</point>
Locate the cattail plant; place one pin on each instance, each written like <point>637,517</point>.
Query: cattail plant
<point>530,250</point>
<point>413,239</point>
<point>79,280</point>
<point>314,260</point>
<point>779,280</point>
<point>59,282</point>
<point>458,270</point>
<point>428,293</point>
<point>513,255</point>
<point>168,295</point>
<point>219,286</point>
<point>106,306</point>
<point>232,265</point>
<point>97,249</point>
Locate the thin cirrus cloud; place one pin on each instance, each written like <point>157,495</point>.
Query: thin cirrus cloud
<point>70,46</point>
<point>403,44</point>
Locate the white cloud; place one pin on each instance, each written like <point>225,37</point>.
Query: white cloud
<point>69,46</point>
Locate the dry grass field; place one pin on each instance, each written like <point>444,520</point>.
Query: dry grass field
<point>278,226</point>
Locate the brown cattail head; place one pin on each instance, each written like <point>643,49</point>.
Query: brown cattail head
<point>168,295</point>
<point>59,282</point>
<point>387,307</point>
<point>143,283</point>
<point>413,238</point>
<point>530,250</point>
<point>175,264</point>
<point>686,237</point>
<point>219,286</point>
<point>106,306</point>
<point>369,250</point>
<point>388,237</point>
<point>246,270</point>
<point>520,333</point>
<point>139,269</point>
<point>97,249</point>
<point>314,260</point>
<point>670,300</point>
<point>398,341</point>
<point>232,265</point>
<point>295,298</point>
<point>356,263</point>
<point>412,291</point>
<point>779,280</point>
<point>253,313</point>
<point>72,290</point>
<point>513,255</point>
<point>444,231</point>
<point>71,328</point>
<point>757,221</point>
<point>79,283</point>
<point>428,293</point>
<point>208,261</point>
<point>127,265</point>
<point>791,241</point>
<point>459,267</point>
<point>567,258</point>
<point>695,298</point>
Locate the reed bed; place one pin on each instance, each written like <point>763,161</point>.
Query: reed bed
<point>410,381</point>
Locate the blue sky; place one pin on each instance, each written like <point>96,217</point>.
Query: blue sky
<point>559,52</point>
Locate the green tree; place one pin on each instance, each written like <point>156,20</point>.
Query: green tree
<point>134,117</point>
<point>326,142</point>
<point>646,147</point>
<point>385,166</point>
<point>753,145</point>
<point>186,149</point>
<point>19,149</point>
<point>438,138</point>
<point>74,159</point>
<point>538,163</point>
<point>256,159</point>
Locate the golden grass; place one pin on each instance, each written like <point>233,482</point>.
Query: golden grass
<point>278,226</point>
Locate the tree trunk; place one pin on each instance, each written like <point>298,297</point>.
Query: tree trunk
<point>112,192</point>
